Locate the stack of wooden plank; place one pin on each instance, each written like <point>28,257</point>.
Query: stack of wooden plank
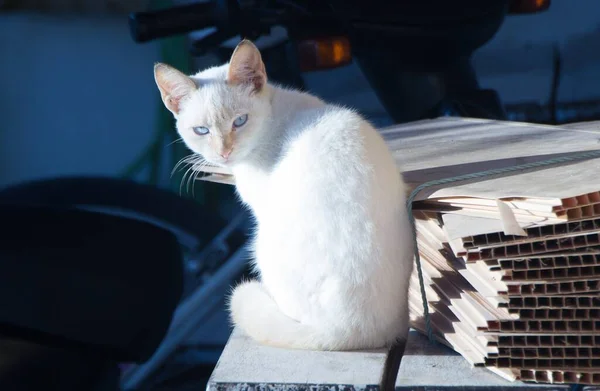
<point>511,263</point>
<point>527,307</point>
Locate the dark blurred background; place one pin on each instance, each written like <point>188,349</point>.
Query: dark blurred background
<point>77,97</point>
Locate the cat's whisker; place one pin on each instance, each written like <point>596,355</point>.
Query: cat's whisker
<point>200,163</point>
<point>197,163</point>
<point>187,181</point>
<point>197,174</point>
<point>192,171</point>
<point>177,166</point>
<point>181,184</point>
<point>192,182</point>
<point>183,179</point>
<point>200,166</point>
<point>178,140</point>
<point>180,162</point>
<point>186,160</point>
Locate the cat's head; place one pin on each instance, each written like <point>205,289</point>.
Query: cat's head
<point>221,112</point>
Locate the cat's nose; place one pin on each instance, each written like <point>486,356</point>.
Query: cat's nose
<point>225,154</point>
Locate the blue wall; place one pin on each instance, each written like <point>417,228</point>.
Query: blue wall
<point>77,95</point>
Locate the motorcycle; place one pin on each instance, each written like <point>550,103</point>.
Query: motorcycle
<point>416,56</point>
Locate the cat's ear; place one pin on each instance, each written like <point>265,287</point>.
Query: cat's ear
<point>246,66</point>
<point>173,86</point>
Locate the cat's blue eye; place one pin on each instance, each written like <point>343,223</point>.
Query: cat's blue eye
<point>240,121</point>
<point>201,130</point>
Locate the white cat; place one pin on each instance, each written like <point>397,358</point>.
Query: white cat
<point>333,243</point>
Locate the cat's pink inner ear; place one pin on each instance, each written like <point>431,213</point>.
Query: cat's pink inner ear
<point>246,66</point>
<point>173,85</point>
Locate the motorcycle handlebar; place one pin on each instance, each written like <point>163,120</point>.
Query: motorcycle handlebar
<point>146,26</point>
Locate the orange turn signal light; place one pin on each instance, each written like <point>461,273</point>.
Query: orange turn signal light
<point>324,53</point>
<point>527,6</point>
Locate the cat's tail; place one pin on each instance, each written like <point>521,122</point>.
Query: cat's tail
<point>256,313</point>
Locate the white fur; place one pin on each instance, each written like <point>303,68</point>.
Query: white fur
<point>333,241</point>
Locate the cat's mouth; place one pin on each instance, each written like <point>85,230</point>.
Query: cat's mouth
<point>224,162</point>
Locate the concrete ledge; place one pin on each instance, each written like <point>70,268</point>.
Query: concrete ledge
<point>426,366</point>
<point>247,365</point>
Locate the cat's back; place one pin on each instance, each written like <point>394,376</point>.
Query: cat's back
<point>308,122</point>
<point>333,157</point>
<point>333,140</point>
<point>325,132</point>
